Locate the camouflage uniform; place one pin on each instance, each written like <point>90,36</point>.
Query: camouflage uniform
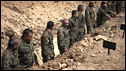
<point>118,7</point>
<point>73,26</point>
<point>99,10</point>
<point>26,53</point>
<point>63,39</point>
<point>90,19</point>
<point>10,61</point>
<point>81,23</point>
<point>102,16</point>
<point>47,45</point>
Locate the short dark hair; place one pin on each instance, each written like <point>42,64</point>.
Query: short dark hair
<point>26,32</point>
<point>74,12</point>
<point>80,7</point>
<point>12,41</point>
<point>50,24</point>
<point>102,3</point>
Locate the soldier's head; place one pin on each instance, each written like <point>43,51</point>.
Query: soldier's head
<point>80,7</point>
<point>102,3</point>
<point>105,6</point>
<point>27,35</point>
<point>65,23</point>
<point>91,4</point>
<point>74,13</point>
<point>50,25</point>
<point>109,4</point>
<point>13,43</point>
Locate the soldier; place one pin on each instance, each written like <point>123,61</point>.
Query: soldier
<point>63,36</point>
<point>118,7</point>
<point>81,23</point>
<point>100,7</point>
<point>10,59</point>
<point>73,26</point>
<point>90,17</point>
<point>26,49</point>
<point>47,43</point>
<point>103,16</point>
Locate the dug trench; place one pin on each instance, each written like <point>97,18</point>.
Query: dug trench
<point>89,53</point>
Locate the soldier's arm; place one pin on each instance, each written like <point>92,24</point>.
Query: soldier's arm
<point>61,39</point>
<point>6,61</point>
<point>83,20</point>
<point>98,11</point>
<point>33,51</point>
<point>73,22</point>
<point>105,14</point>
<point>87,15</point>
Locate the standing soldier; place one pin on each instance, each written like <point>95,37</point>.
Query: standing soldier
<point>10,59</point>
<point>118,7</point>
<point>90,17</point>
<point>26,49</point>
<point>73,26</point>
<point>100,7</point>
<point>47,43</point>
<point>63,36</point>
<point>103,16</point>
<point>81,23</point>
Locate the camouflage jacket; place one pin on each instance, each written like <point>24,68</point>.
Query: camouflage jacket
<point>10,61</point>
<point>26,53</point>
<point>89,16</point>
<point>47,44</point>
<point>99,10</point>
<point>81,20</point>
<point>63,38</point>
<point>102,16</point>
<point>73,26</point>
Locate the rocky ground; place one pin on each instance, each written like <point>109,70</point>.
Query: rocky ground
<point>87,54</point>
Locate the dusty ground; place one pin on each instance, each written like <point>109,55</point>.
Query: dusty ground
<point>88,54</point>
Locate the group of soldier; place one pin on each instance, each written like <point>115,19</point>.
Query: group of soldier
<point>19,54</point>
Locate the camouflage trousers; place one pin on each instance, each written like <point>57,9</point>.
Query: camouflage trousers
<point>81,33</point>
<point>73,37</point>
<point>89,29</point>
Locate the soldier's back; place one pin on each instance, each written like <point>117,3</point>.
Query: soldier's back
<point>89,13</point>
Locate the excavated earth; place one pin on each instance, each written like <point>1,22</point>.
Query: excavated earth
<point>87,54</point>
